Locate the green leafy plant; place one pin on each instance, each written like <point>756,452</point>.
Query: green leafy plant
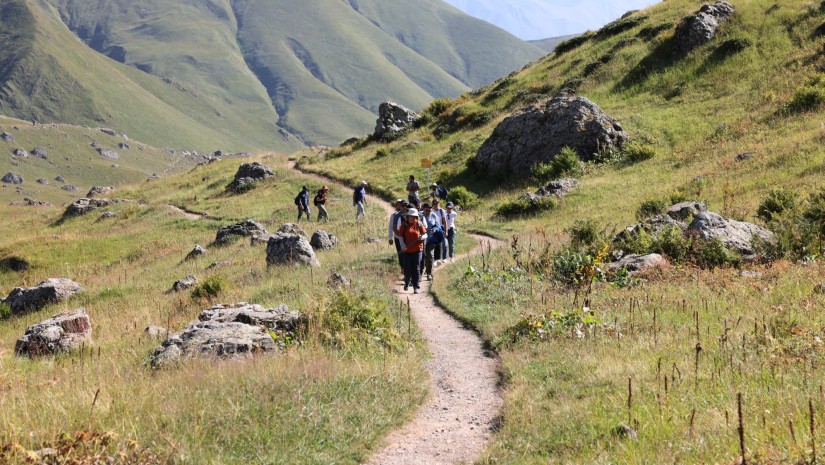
<point>777,202</point>
<point>524,206</point>
<point>584,233</point>
<point>636,152</point>
<point>713,254</point>
<point>566,163</point>
<point>462,197</point>
<point>650,208</point>
<point>352,318</point>
<point>212,287</point>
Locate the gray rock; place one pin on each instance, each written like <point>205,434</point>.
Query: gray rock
<point>392,119</point>
<point>36,203</point>
<point>60,179</point>
<point>50,291</point>
<point>246,228</point>
<point>684,211</point>
<point>640,264</point>
<point>558,188</point>
<point>69,188</point>
<point>12,178</point>
<point>153,177</point>
<point>20,153</point>
<point>537,134</point>
<point>186,283</point>
<point>156,331</point>
<point>195,253</point>
<point>290,249</point>
<point>106,215</point>
<point>7,137</point>
<point>108,153</point>
<point>98,191</point>
<point>336,281</point>
<point>744,156</point>
<point>653,226</point>
<point>260,239</point>
<point>750,274</point>
<point>220,264</point>
<point>39,152</point>
<point>279,318</point>
<point>701,27</point>
<point>61,333</point>
<point>107,131</point>
<point>735,235</point>
<point>43,181</point>
<point>249,173</point>
<point>84,206</point>
<point>123,146</point>
<point>322,240</point>
<point>292,228</point>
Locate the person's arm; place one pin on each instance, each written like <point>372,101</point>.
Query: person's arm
<point>391,228</point>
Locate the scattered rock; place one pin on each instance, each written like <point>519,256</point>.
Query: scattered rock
<point>15,264</point>
<point>123,146</point>
<point>654,225</point>
<point>153,177</point>
<point>50,291</point>
<point>61,333</point>
<point>292,228</point>
<point>640,264</point>
<point>249,173</point>
<point>60,179</point>
<point>684,211</point>
<point>107,131</point>
<point>290,249</point>
<point>12,178</point>
<point>819,288</point>
<point>195,253</point>
<point>701,27</point>
<point>220,264</point>
<point>43,181</point>
<point>83,206</point>
<point>106,215</point>
<point>36,203</point>
<point>336,281</point>
<point>558,188</point>
<point>39,152</point>
<point>750,274</point>
<point>20,153</point>
<point>98,191</point>
<point>537,134</point>
<point>246,228</point>
<point>392,119</point>
<point>735,235</point>
<point>69,188</point>
<point>238,330</point>
<point>7,137</point>
<point>624,432</point>
<point>322,240</point>
<point>186,283</point>
<point>156,331</point>
<point>744,156</point>
<point>108,153</point>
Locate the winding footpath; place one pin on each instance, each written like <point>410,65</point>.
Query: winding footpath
<point>458,419</point>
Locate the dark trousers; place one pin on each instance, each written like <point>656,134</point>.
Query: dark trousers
<point>302,210</point>
<point>412,274</point>
<point>427,261</point>
<point>451,242</point>
<point>398,251</point>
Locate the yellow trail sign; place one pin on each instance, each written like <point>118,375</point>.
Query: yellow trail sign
<point>426,162</point>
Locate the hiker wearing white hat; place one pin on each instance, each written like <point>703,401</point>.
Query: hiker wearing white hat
<point>359,201</point>
<point>412,236</point>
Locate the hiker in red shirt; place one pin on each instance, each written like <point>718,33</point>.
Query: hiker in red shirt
<point>412,236</point>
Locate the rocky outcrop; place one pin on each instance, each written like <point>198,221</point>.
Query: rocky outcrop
<point>701,27</point>
<point>60,179</point>
<point>338,282</point>
<point>684,211</point>
<point>36,203</point>
<point>652,226</point>
<point>99,191</point>
<point>249,173</point>
<point>43,181</point>
<point>292,228</point>
<point>7,137</point>
<point>39,152</point>
<point>392,119</point>
<point>640,264</point>
<point>156,331</point>
<point>69,188</point>
<point>50,291</point>
<point>84,206</point>
<point>12,178</point>
<point>227,331</point>
<point>734,235</point>
<point>61,333</point>
<point>246,228</point>
<point>185,283</point>
<point>20,153</point>
<point>290,249</point>
<point>198,251</point>
<point>558,188</point>
<point>539,133</point>
<point>322,240</point>
<point>108,153</point>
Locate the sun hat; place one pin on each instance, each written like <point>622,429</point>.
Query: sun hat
<point>412,212</point>
<point>450,205</point>
<point>363,183</point>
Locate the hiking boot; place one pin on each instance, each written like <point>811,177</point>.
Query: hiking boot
<point>406,286</point>
<point>415,291</point>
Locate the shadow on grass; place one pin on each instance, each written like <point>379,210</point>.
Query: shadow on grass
<point>661,58</point>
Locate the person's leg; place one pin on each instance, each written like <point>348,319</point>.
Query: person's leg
<point>398,251</point>
<point>410,267</point>
<point>299,215</point>
<point>428,258</point>
<point>451,242</point>
<point>416,276</point>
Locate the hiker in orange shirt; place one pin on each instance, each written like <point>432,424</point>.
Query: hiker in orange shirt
<point>412,236</point>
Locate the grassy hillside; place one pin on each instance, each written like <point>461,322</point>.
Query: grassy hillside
<point>549,44</point>
<point>622,380</point>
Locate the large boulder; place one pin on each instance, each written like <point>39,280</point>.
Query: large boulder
<point>227,331</point>
<point>392,119</point>
<point>292,228</point>
<point>20,153</point>
<point>84,206</point>
<point>538,134</point>
<point>322,240</point>
<point>50,291</point>
<point>652,226</point>
<point>108,153</point>
<point>12,178</point>
<point>735,235</point>
<point>684,211</point>
<point>249,173</point>
<point>701,27</point>
<point>7,137</point>
<point>640,264</point>
<point>39,152</point>
<point>99,191</point>
<point>558,188</point>
<point>247,228</point>
<point>290,249</point>
<point>61,333</point>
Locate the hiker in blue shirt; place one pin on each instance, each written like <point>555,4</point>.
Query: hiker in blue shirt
<point>359,201</point>
<point>302,201</point>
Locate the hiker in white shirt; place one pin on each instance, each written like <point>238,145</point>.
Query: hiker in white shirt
<point>450,229</point>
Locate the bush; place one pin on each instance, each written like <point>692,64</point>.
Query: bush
<point>806,99</point>
<point>462,197</point>
<point>635,153</point>
<point>620,25</point>
<point>211,288</point>
<point>651,32</point>
<point>438,107</point>
<point>5,311</point>
<point>382,152</point>
<point>572,44</point>
<point>650,208</point>
<point>713,254</point>
<point>583,233</point>
<point>731,46</point>
<point>357,318</point>
<point>228,239</point>
<point>815,211</point>
<point>566,163</point>
<point>672,243</point>
<point>425,119</point>
<point>777,202</point>
<point>524,206</point>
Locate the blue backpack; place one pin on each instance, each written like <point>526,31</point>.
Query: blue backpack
<point>436,235</point>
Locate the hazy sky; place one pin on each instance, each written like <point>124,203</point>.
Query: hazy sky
<point>540,19</point>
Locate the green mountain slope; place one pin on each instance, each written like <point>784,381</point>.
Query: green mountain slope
<point>318,68</point>
<point>550,43</point>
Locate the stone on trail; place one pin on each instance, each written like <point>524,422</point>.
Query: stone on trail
<point>322,240</point>
<point>292,228</point>
<point>195,253</point>
<point>247,228</point>
<point>735,235</point>
<point>61,333</point>
<point>537,134</point>
<point>290,249</point>
<point>249,173</point>
<point>12,178</point>
<point>701,27</point>
<point>50,291</point>
<point>392,119</point>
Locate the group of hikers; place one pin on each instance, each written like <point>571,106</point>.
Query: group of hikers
<point>423,233</point>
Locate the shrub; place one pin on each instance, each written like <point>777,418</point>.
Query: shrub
<point>242,188</point>
<point>583,233</point>
<point>806,99</point>
<point>794,237</point>
<point>578,268</point>
<point>462,197</point>
<point>357,318</point>
<point>425,119</point>
<point>640,242</point>
<point>713,254</point>
<point>228,239</point>
<point>620,25</point>
<point>438,107</point>
<point>524,206</point>
<point>572,43</point>
<point>815,211</point>
<point>777,202</point>
<point>382,152</point>
<point>650,208</point>
<point>650,32</point>
<point>672,243</point>
<point>212,287</point>
<point>731,46</point>
<point>635,152</point>
<point>566,163</point>
<point>5,311</point>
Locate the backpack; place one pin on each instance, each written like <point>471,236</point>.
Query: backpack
<point>298,200</point>
<point>436,235</point>
<point>316,200</point>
